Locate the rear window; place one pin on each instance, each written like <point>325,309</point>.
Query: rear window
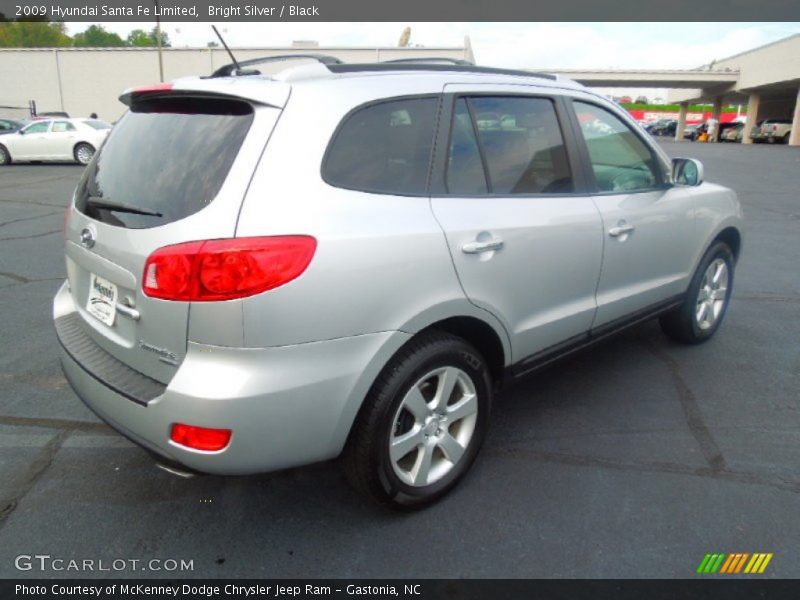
<point>167,157</point>
<point>384,148</point>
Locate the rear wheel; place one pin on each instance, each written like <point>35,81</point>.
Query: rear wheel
<point>706,303</point>
<point>84,153</point>
<point>786,137</point>
<point>5,157</point>
<point>422,423</point>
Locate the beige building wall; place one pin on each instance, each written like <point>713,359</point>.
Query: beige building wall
<point>85,80</point>
<point>767,65</point>
<point>774,67</point>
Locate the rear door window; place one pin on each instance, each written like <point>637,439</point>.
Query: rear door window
<point>167,157</point>
<point>62,127</point>
<point>521,142</point>
<point>384,148</point>
<point>465,173</point>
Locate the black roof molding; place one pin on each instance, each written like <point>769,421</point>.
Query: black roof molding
<point>427,66</point>
<point>335,65</point>
<point>230,70</point>
<point>430,60</point>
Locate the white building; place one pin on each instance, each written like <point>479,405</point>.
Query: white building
<point>81,81</point>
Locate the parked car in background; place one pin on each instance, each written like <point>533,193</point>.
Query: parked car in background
<point>776,131</point>
<point>665,127</point>
<point>691,132</point>
<point>361,285</point>
<point>10,125</point>
<point>54,140</point>
<point>771,131</point>
<point>732,134</point>
<point>657,124</point>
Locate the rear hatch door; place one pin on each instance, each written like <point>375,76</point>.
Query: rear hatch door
<point>175,168</point>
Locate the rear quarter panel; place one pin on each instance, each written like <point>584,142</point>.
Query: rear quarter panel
<point>382,262</point>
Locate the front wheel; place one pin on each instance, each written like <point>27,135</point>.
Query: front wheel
<point>5,157</point>
<point>706,303</point>
<point>422,423</point>
<point>84,153</point>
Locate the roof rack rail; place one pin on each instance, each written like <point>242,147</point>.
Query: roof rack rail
<point>427,66</point>
<point>431,60</point>
<point>230,70</point>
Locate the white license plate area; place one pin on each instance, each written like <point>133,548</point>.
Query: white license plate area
<point>102,301</point>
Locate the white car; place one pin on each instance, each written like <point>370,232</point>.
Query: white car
<point>54,139</point>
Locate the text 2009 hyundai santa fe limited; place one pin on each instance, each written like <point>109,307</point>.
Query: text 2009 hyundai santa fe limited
<point>266,272</point>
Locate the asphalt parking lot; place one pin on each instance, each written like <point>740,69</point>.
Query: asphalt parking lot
<point>633,459</point>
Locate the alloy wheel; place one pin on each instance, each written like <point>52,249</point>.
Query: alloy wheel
<point>712,295</point>
<point>433,426</point>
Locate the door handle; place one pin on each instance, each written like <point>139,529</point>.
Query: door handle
<point>478,247</point>
<point>620,230</point>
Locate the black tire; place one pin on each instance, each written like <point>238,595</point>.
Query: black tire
<point>682,323</point>
<point>78,153</point>
<point>5,157</point>
<point>786,138</point>
<point>366,458</point>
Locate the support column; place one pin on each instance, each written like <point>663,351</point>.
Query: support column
<point>681,127</point>
<point>716,113</point>
<point>752,117</point>
<point>794,136</point>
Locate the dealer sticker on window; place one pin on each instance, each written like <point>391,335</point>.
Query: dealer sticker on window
<point>102,302</point>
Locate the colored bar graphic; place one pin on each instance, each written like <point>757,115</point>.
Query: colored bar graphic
<point>727,564</point>
<point>754,562</point>
<point>734,563</point>
<point>703,563</point>
<point>718,563</point>
<point>765,563</point>
<point>739,566</point>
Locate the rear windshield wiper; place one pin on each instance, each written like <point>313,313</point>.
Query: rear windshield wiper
<point>121,207</point>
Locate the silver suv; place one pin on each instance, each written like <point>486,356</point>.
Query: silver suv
<point>340,259</point>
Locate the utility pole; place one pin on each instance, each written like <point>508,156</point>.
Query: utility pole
<point>158,43</point>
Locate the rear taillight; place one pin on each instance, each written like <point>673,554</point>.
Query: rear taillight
<point>200,438</point>
<point>152,89</point>
<point>213,270</point>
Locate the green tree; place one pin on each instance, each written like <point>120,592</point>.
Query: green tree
<point>142,38</point>
<point>33,34</point>
<point>96,36</point>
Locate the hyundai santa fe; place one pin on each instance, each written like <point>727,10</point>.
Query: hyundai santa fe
<point>348,260</point>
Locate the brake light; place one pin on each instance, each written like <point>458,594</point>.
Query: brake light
<point>211,270</point>
<point>152,89</point>
<point>200,438</point>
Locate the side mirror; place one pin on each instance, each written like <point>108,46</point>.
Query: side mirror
<point>21,132</point>
<point>687,171</point>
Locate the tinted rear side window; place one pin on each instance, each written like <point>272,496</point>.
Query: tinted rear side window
<point>168,156</point>
<point>523,145</point>
<point>384,148</point>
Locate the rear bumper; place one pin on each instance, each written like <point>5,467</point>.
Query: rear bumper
<point>287,406</point>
